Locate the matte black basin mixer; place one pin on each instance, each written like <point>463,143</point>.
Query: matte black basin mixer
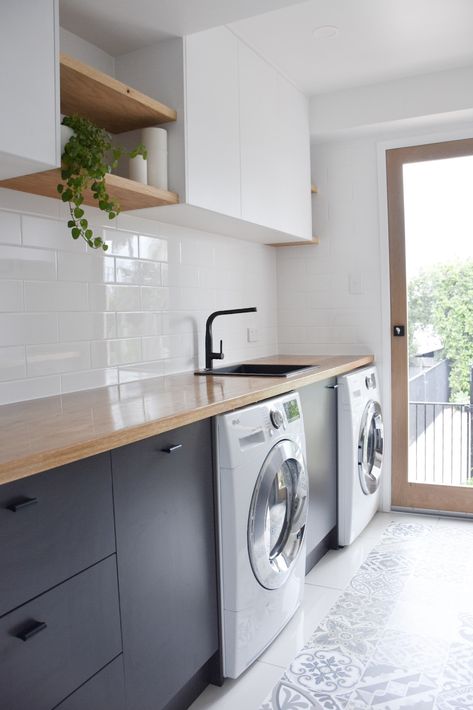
<point>209,354</point>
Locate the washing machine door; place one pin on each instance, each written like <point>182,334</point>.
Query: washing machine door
<point>278,514</point>
<point>370,448</point>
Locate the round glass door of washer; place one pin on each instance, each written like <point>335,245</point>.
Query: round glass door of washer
<point>278,514</point>
<point>370,448</point>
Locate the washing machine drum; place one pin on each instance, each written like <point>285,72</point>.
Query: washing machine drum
<point>370,448</point>
<point>278,514</point>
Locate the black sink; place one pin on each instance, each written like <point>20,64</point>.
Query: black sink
<point>260,370</point>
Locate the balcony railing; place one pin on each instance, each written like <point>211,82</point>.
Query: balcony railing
<point>440,439</point>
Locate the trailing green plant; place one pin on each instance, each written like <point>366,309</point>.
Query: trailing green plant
<point>88,157</point>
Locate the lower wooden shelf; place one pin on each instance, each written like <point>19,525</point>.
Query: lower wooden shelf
<point>306,243</point>
<point>131,195</point>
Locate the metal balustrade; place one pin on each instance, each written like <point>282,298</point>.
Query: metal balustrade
<point>440,440</point>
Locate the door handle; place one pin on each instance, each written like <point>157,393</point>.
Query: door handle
<point>171,449</point>
<point>331,387</point>
<point>31,630</point>
<point>21,503</point>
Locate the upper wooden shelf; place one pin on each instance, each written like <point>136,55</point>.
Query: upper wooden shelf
<point>130,194</point>
<point>106,101</point>
<point>302,243</point>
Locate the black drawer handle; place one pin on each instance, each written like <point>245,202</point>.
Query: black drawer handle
<point>20,503</point>
<point>172,448</point>
<point>31,630</point>
<point>331,387</point>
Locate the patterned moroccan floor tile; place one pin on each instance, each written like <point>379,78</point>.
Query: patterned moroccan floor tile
<point>400,637</point>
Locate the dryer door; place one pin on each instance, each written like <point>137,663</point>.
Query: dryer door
<point>370,448</point>
<point>278,514</point>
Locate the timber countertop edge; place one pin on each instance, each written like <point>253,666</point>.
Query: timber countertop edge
<point>41,434</point>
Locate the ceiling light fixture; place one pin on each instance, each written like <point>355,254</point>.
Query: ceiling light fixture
<point>326,32</point>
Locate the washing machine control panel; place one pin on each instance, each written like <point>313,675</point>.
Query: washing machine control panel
<point>277,418</point>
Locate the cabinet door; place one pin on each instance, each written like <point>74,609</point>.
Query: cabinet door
<point>212,121</point>
<point>293,174</point>
<point>166,562</point>
<point>260,138</point>
<point>319,409</point>
<point>28,87</point>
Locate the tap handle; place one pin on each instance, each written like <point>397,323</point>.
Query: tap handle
<point>221,355</point>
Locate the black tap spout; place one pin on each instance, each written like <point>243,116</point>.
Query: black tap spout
<point>209,353</point>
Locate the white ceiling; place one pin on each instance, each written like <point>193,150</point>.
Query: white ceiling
<point>378,40</point>
<point>120,26</point>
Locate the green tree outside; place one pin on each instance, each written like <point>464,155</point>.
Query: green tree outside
<point>443,299</point>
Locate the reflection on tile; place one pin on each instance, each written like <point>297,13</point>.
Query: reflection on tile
<point>114,298</point>
<point>153,248</point>
<point>59,357</point>
<point>25,263</point>
<point>134,324</point>
<point>121,243</point>
<point>115,352</point>
<point>74,381</point>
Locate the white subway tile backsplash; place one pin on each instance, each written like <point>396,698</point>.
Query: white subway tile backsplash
<point>91,267</point>
<point>11,296</point>
<point>49,234</point>
<point>86,326</point>
<point>12,363</point>
<point>27,328</point>
<point>153,248</point>
<point>10,228</point>
<point>132,271</point>
<point>116,352</point>
<point>74,381</point>
<point>121,243</point>
<point>154,298</point>
<point>18,262</point>
<point>114,298</point>
<point>72,318</point>
<point>58,357</point>
<point>32,388</point>
<point>130,325</point>
<point>55,296</point>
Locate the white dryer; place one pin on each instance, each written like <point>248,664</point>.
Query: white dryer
<point>262,503</point>
<point>360,451</point>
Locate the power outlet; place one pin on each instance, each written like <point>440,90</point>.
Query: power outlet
<point>252,335</point>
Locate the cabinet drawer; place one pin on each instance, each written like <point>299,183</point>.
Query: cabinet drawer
<point>52,526</point>
<point>81,635</point>
<point>105,691</point>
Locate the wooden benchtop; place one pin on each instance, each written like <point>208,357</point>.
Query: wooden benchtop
<point>43,433</point>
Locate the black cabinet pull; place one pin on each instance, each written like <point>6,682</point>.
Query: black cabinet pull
<point>31,630</point>
<point>331,387</point>
<point>20,503</point>
<point>172,448</point>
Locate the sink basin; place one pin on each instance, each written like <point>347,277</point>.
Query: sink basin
<point>260,370</point>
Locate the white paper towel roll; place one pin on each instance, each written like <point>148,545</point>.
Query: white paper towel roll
<point>156,142</point>
<point>138,169</point>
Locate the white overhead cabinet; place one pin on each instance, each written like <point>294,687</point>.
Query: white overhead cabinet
<point>29,88</point>
<point>239,152</point>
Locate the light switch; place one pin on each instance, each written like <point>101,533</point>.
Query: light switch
<point>355,284</point>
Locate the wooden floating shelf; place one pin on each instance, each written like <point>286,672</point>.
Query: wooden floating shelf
<point>106,101</point>
<point>314,189</point>
<point>306,243</point>
<point>131,195</point>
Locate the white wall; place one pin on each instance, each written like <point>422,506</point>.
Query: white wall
<point>71,319</point>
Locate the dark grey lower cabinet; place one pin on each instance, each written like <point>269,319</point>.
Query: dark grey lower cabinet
<point>319,408</point>
<point>105,691</point>
<point>163,492</point>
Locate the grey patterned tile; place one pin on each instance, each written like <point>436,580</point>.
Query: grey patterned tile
<point>330,671</point>
<point>458,698</point>
<point>401,635</point>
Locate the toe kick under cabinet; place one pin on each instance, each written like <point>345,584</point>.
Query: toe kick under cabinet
<point>108,587</point>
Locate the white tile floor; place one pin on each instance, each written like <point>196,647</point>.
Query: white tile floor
<point>324,584</point>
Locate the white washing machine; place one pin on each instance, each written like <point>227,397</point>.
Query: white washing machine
<point>262,502</point>
<point>360,451</point>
